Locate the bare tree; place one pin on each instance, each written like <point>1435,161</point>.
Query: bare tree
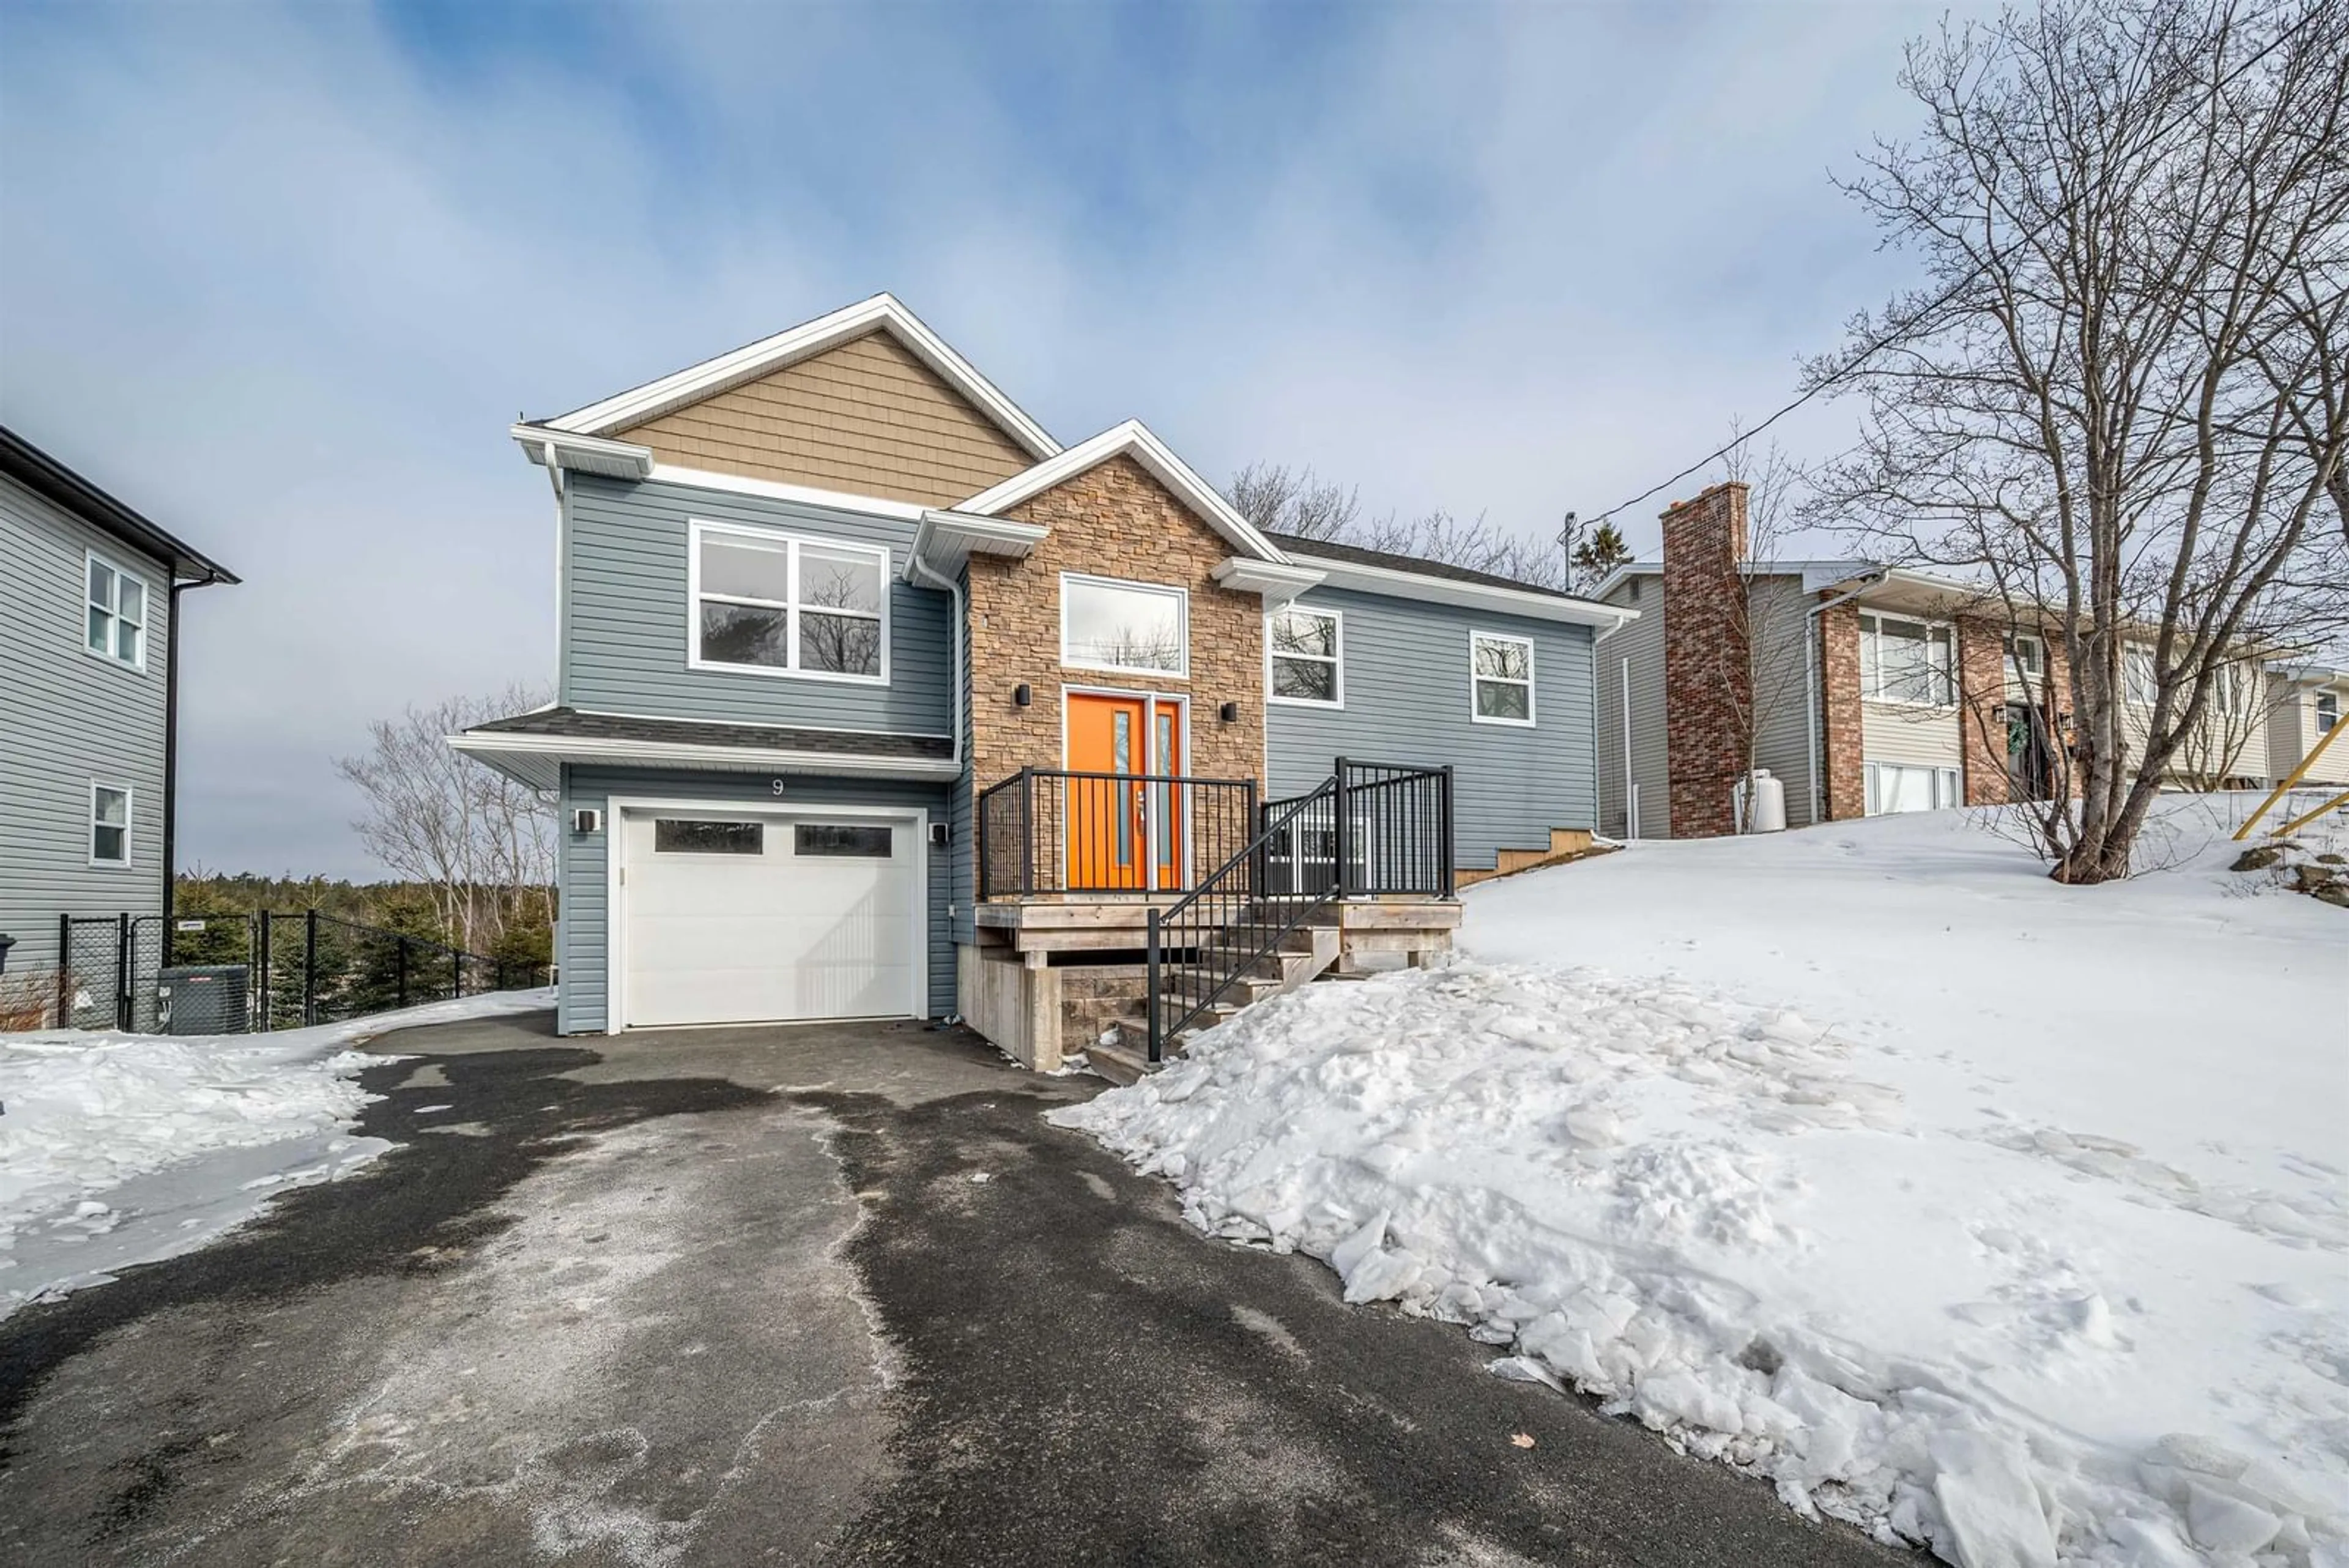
<point>1283,500</point>
<point>1761,663</point>
<point>2111,399</point>
<point>480,842</point>
<point>1287,501</point>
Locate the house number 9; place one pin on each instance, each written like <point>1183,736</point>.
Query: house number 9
<point>777,786</point>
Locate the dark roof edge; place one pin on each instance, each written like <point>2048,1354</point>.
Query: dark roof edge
<point>1360,555</point>
<point>37,471</point>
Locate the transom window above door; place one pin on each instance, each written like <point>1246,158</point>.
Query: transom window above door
<point>1302,645</point>
<point>776,605</point>
<point>1138,628</point>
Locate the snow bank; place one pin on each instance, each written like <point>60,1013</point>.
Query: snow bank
<point>121,1149</point>
<point>1974,1210</point>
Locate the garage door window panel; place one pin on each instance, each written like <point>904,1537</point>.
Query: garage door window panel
<point>827,840</point>
<point>688,836</point>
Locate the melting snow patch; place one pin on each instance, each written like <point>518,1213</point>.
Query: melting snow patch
<point>159,1143</point>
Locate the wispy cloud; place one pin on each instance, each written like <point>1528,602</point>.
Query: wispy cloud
<point>280,276</point>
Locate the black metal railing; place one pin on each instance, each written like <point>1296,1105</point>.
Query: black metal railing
<point>1368,830</point>
<point>1052,830</point>
<point>313,968</point>
<point>287,970</point>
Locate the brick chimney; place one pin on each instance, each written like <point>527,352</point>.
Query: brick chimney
<point>1708,675</point>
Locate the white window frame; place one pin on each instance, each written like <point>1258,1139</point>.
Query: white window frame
<point>2016,671</point>
<point>1182,597</point>
<point>90,826</point>
<point>1336,661</point>
<point>114,611</point>
<point>2324,722</point>
<point>1871,627</point>
<point>1948,785</point>
<point>699,529</point>
<point>2137,657</point>
<point>1533,717</point>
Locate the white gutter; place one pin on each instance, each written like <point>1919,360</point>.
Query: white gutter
<point>1437,589</point>
<point>600,749</point>
<point>1811,674</point>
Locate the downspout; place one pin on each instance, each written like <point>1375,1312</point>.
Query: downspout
<point>1811,675</point>
<point>1631,788</point>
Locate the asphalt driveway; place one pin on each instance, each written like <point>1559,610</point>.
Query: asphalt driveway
<point>832,1295</point>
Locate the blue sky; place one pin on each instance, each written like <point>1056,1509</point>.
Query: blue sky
<point>281,276</point>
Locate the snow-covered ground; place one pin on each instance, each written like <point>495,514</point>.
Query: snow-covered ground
<point>1979,1212</point>
<point>117,1149</point>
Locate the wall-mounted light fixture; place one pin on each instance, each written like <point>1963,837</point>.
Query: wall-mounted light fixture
<point>1021,695</point>
<point>1229,712</point>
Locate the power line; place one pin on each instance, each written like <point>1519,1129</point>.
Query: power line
<point>1893,333</point>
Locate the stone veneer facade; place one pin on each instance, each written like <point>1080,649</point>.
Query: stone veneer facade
<point>1708,676</point>
<point>1112,521</point>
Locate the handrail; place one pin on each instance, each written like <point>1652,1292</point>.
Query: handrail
<point>1388,829</point>
<point>1063,830</point>
<point>1218,908</point>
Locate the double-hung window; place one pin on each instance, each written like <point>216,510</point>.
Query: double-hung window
<point>1905,661</point>
<point>1136,628</point>
<point>784,606</point>
<point>2026,658</point>
<point>115,625</point>
<point>1500,679</point>
<point>110,824</point>
<point>1303,648</point>
<point>2139,683</point>
<point>2328,711</point>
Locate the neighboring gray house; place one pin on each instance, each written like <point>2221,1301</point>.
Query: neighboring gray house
<point>88,702</point>
<point>874,700</point>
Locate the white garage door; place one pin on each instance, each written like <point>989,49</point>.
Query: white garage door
<point>753,918</point>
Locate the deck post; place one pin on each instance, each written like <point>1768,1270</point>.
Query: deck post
<point>1157,1046</point>
<point>1341,831</point>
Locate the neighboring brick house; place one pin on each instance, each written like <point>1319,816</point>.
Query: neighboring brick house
<point>873,699</point>
<point>1863,689</point>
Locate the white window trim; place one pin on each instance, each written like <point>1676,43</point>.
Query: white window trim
<point>2316,710</point>
<point>1182,597</point>
<point>1947,781</point>
<point>1880,617</point>
<point>2016,671</point>
<point>1337,662</point>
<point>2152,675</point>
<point>130,823</point>
<point>147,616</point>
<point>699,529</point>
<point>1533,715</point>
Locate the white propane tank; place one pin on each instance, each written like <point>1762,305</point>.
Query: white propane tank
<point>1763,799</point>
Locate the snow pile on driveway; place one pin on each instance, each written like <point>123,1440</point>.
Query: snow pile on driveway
<point>121,1149</point>
<point>1974,1210</point>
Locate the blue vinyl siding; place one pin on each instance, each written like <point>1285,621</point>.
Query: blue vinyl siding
<point>582,866</point>
<point>626,622</point>
<point>1407,700</point>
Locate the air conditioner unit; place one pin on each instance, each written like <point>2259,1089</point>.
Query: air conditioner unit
<point>586,819</point>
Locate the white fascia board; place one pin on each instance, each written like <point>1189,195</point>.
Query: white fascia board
<point>804,341</point>
<point>1276,584</point>
<point>945,540</point>
<point>1432,590</point>
<point>505,753</point>
<point>1134,440</point>
<point>582,453</point>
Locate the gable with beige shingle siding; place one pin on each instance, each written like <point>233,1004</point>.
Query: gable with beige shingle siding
<point>67,717</point>
<point>867,418</point>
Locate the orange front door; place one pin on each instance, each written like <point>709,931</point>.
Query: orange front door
<point>1124,834</point>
